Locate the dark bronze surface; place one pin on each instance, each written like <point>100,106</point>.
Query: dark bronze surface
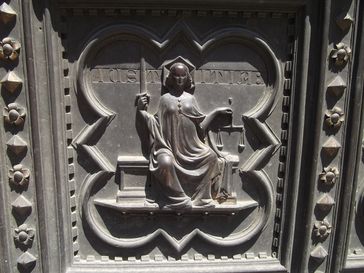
<point>182,136</point>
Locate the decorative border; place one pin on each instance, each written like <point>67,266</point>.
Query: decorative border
<point>19,177</point>
<point>125,12</point>
<point>286,102</point>
<point>323,254</point>
<point>185,257</point>
<point>227,265</point>
<point>67,89</point>
<point>355,152</point>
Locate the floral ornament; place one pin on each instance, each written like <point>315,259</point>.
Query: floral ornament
<point>329,175</point>
<point>341,54</point>
<point>334,117</point>
<point>19,176</point>
<point>14,114</point>
<point>24,235</point>
<point>9,49</point>
<point>322,229</point>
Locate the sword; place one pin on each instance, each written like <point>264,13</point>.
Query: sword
<point>143,80</point>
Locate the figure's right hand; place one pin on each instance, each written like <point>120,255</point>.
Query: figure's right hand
<point>143,101</point>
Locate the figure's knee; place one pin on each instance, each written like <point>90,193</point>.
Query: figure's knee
<point>165,161</point>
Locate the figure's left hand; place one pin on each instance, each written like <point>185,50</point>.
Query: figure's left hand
<point>225,110</point>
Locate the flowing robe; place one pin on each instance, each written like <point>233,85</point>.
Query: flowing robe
<point>184,166</point>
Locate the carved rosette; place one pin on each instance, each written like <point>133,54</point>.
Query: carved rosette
<point>322,229</point>
<point>329,175</point>
<point>334,117</point>
<point>23,235</point>
<point>14,114</point>
<point>19,176</point>
<point>9,49</point>
<point>341,54</point>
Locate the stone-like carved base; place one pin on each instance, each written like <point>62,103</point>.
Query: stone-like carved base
<point>144,207</point>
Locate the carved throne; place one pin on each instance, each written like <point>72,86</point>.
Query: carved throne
<point>134,180</point>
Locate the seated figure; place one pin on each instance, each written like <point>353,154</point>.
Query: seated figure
<point>185,170</point>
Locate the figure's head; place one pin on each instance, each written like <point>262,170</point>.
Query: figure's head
<point>179,77</point>
<point>179,73</point>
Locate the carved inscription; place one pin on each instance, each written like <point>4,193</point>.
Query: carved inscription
<point>236,77</point>
<point>203,76</point>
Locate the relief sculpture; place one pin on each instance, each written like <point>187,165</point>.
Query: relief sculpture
<point>185,169</point>
<point>192,141</point>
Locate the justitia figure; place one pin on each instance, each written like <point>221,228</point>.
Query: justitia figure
<point>186,170</point>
